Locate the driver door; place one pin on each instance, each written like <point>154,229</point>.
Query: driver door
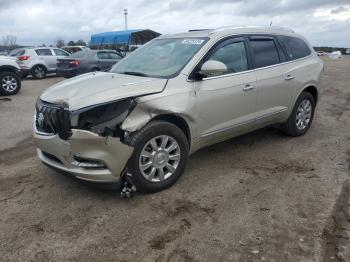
<point>227,102</point>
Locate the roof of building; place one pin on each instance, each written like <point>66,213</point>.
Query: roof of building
<point>133,37</point>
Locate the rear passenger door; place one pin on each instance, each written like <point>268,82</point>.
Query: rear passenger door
<point>47,58</point>
<point>274,79</point>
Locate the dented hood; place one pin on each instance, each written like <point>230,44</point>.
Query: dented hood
<point>96,88</point>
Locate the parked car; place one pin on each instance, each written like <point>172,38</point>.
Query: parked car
<point>9,76</point>
<point>87,61</point>
<point>38,61</point>
<point>322,53</point>
<point>335,55</point>
<point>74,49</point>
<point>176,94</point>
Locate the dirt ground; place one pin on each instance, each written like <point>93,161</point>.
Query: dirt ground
<point>259,197</point>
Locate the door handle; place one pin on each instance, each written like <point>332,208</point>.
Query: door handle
<point>289,77</point>
<point>248,87</point>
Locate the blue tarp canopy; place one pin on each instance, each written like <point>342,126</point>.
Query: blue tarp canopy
<point>128,37</point>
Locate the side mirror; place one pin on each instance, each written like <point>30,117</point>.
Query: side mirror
<point>213,68</point>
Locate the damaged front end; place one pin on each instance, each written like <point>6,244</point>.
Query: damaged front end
<point>88,142</point>
<point>104,119</point>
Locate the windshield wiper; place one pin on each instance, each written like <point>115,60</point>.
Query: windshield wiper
<point>134,73</point>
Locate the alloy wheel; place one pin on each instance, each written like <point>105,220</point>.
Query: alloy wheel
<point>9,83</point>
<point>303,115</point>
<point>159,158</point>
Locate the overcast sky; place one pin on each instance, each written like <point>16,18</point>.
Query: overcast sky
<point>323,22</point>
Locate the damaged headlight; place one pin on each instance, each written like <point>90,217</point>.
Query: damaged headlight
<point>105,118</point>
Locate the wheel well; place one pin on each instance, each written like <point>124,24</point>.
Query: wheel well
<point>313,91</point>
<point>179,122</point>
<point>8,68</point>
<point>39,65</point>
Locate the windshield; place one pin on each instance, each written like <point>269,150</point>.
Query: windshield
<point>162,58</point>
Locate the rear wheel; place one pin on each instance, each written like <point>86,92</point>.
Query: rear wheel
<point>39,72</point>
<point>301,117</point>
<point>159,158</point>
<point>10,83</point>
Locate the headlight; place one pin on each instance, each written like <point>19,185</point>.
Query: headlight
<point>103,119</point>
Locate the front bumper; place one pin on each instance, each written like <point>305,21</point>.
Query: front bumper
<point>62,154</point>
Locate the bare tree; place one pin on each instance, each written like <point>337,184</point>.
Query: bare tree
<point>59,42</point>
<point>9,40</point>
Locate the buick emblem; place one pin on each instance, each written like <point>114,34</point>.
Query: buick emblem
<point>40,119</point>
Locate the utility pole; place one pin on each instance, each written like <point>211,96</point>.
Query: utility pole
<point>126,18</point>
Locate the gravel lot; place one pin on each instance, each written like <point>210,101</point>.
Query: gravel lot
<point>259,197</point>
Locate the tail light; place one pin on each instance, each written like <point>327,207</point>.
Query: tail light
<point>23,57</point>
<point>75,63</point>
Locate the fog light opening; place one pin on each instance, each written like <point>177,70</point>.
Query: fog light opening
<point>88,163</point>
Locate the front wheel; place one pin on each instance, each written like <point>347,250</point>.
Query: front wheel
<point>159,158</point>
<point>10,83</point>
<point>301,117</point>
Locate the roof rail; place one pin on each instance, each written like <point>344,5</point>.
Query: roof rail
<point>262,27</point>
<point>196,30</point>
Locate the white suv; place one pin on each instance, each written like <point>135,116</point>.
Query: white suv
<point>173,96</point>
<point>10,81</point>
<point>38,61</point>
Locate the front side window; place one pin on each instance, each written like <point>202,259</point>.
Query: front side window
<point>264,52</point>
<point>59,52</point>
<point>43,52</point>
<point>162,58</point>
<point>232,54</point>
<point>295,47</point>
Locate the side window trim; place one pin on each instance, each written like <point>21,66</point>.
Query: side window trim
<point>235,39</point>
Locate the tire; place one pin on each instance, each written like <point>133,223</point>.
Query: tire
<point>293,126</point>
<point>157,131</point>
<point>10,83</point>
<point>39,72</point>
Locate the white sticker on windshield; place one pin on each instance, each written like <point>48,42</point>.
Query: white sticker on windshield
<point>192,41</point>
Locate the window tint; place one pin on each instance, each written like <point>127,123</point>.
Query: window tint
<point>232,54</point>
<point>264,52</point>
<point>295,47</point>
<point>115,56</point>
<point>60,52</point>
<point>43,52</point>
<point>103,55</point>
<point>17,52</point>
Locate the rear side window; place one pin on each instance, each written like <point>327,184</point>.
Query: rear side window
<point>295,47</point>
<point>103,55</point>
<point>43,52</point>
<point>115,56</point>
<point>264,52</point>
<point>17,52</point>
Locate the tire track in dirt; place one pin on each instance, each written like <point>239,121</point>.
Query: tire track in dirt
<point>337,233</point>
<point>24,149</point>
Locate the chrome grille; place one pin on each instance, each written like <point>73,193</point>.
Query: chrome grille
<point>52,119</point>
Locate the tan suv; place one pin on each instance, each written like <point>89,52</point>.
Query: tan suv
<point>173,96</point>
